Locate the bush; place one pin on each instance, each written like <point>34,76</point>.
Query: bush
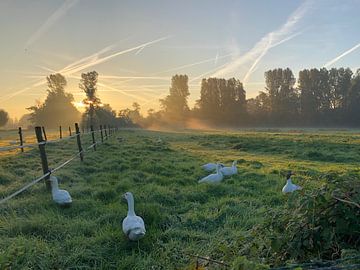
<point>324,222</point>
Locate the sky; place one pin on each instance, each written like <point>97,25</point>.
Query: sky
<point>136,46</point>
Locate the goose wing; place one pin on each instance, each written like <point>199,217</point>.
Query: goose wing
<point>62,196</point>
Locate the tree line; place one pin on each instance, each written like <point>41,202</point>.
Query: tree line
<point>319,97</point>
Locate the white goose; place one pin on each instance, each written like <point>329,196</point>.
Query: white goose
<point>133,226</point>
<point>229,170</point>
<point>213,178</point>
<point>290,187</point>
<point>60,196</point>
<point>209,167</point>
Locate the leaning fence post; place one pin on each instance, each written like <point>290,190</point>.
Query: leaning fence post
<point>43,129</point>
<point>69,131</point>
<point>106,136</point>
<point>44,162</point>
<point>60,132</point>
<point>93,137</point>
<point>21,139</point>
<point>101,134</point>
<point>77,130</point>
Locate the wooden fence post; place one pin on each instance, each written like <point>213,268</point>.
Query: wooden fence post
<point>77,130</point>
<point>43,129</point>
<point>93,137</point>
<point>101,134</point>
<point>83,129</point>
<point>44,162</point>
<point>109,130</point>
<point>21,139</point>
<point>69,131</point>
<point>60,132</point>
<point>106,136</point>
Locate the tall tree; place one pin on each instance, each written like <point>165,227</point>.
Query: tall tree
<point>175,105</point>
<point>282,95</point>
<point>57,108</point>
<point>353,97</point>
<point>222,101</point>
<point>4,118</point>
<point>88,84</point>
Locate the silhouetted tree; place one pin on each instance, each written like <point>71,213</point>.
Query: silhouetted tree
<point>57,108</point>
<point>282,95</point>
<point>88,84</point>
<point>353,97</point>
<point>4,117</point>
<point>175,105</point>
<point>258,109</point>
<point>222,101</point>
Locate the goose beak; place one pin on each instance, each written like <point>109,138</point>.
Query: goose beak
<point>123,197</point>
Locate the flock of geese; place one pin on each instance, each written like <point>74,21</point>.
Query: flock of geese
<point>133,226</point>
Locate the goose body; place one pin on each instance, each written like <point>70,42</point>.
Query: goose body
<point>229,170</point>
<point>289,186</point>
<point>60,196</point>
<point>213,178</point>
<point>133,226</point>
<point>209,167</point>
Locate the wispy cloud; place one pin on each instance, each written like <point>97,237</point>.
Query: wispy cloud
<point>107,58</point>
<point>82,64</point>
<point>60,12</point>
<point>270,40</point>
<point>197,63</point>
<point>333,61</point>
<point>266,48</point>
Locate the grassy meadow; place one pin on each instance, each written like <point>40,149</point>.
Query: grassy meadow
<point>181,216</point>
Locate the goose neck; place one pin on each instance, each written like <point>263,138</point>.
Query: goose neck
<point>130,201</point>
<point>54,186</point>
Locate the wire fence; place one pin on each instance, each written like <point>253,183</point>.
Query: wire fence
<point>42,143</point>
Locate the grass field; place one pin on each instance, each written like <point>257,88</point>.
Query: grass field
<point>182,217</point>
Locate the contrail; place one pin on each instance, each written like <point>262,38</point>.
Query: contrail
<point>60,12</point>
<point>121,91</point>
<point>267,47</point>
<point>196,63</point>
<point>270,40</point>
<point>106,58</point>
<point>333,61</point>
<point>140,50</point>
<point>207,72</point>
<point>135,77</point>
<point>216,58</point>
<point>91,57</point>
<point>68,70</point>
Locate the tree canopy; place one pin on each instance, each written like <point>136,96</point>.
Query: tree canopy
<point>57,109</point>
<point>4,118</point>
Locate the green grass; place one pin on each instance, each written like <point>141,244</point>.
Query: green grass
<point>181,216</point>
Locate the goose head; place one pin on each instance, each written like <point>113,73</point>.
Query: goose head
<point>234,163</point>
<point>289,174</point>
<point>128,196</point>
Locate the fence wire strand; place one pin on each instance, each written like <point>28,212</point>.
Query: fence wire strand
<point>32,145</point>
<point>48,173</point>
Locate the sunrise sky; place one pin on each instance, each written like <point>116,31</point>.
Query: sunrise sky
<point>136,46</point>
